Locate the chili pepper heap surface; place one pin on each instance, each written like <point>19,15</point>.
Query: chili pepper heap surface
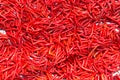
<point>59,39</point>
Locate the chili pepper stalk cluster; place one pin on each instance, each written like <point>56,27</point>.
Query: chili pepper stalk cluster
<point>59,39</point>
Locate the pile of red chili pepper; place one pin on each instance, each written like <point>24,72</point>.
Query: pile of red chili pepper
<point>59,39</point>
